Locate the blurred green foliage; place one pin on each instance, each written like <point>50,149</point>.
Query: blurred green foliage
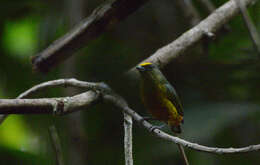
<point>217,80</point>
<point>15,134</point>
<point>20,38</point>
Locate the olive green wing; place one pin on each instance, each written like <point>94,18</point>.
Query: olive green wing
<point>174,98</point>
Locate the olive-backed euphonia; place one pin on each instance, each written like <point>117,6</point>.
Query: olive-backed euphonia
<point>159,96</point>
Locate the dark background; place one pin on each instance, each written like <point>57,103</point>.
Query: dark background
<point>217,80</point>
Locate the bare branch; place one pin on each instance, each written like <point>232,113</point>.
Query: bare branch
<point>210,7</point>
<point>128,143</point>
<point>56,83</point>
<point>183,154</point>
<point>55,106</point>
<point>60,83</point>
<point>102,18</point>
<point>250,26</point>
<point>208,26</point>
<point>56,145</point>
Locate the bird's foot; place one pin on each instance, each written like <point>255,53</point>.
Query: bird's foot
<point>151,129</point>
<point>176,129</point>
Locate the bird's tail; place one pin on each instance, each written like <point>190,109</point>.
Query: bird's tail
<point>176,129</point>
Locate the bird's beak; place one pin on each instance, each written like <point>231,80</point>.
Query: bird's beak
<point>140,68</point>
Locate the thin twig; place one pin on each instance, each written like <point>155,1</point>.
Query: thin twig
<point>60,83</point>
<point>128,142</point>
<point>250,26</point>
<point>56,145</point>
<point>183,154</point>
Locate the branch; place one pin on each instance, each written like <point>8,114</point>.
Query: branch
<point>56,145</point>
<point>250,26</point>
<point>210,7</point>
<point>181,149</point>
<point>102,18</point>
<point>163,56</point>
<point>63,47</point>
<point>128,146</point>
<point>55,106</point>
<point>208,27</point>
<point>55,83</point>
<point>61,83</point>
<point>72,104</point>
<point>120,103</point>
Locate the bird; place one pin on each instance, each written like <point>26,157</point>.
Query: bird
<point>159,97</point>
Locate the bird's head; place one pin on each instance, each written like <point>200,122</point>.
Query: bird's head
<point>150,72</point>
<point>145,67</point>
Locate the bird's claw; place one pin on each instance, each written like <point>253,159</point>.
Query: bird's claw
<point>152,128</point>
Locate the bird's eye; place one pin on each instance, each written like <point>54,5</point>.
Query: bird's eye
<point>149,66</point>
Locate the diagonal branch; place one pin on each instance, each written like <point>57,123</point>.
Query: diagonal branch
<point>208,26</point>
<point>78,37</point>
<point>250,26</point>
<point>102,18</point>
<point>210,7</point>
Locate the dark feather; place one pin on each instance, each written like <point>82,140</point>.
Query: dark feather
<point>174,98</point>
